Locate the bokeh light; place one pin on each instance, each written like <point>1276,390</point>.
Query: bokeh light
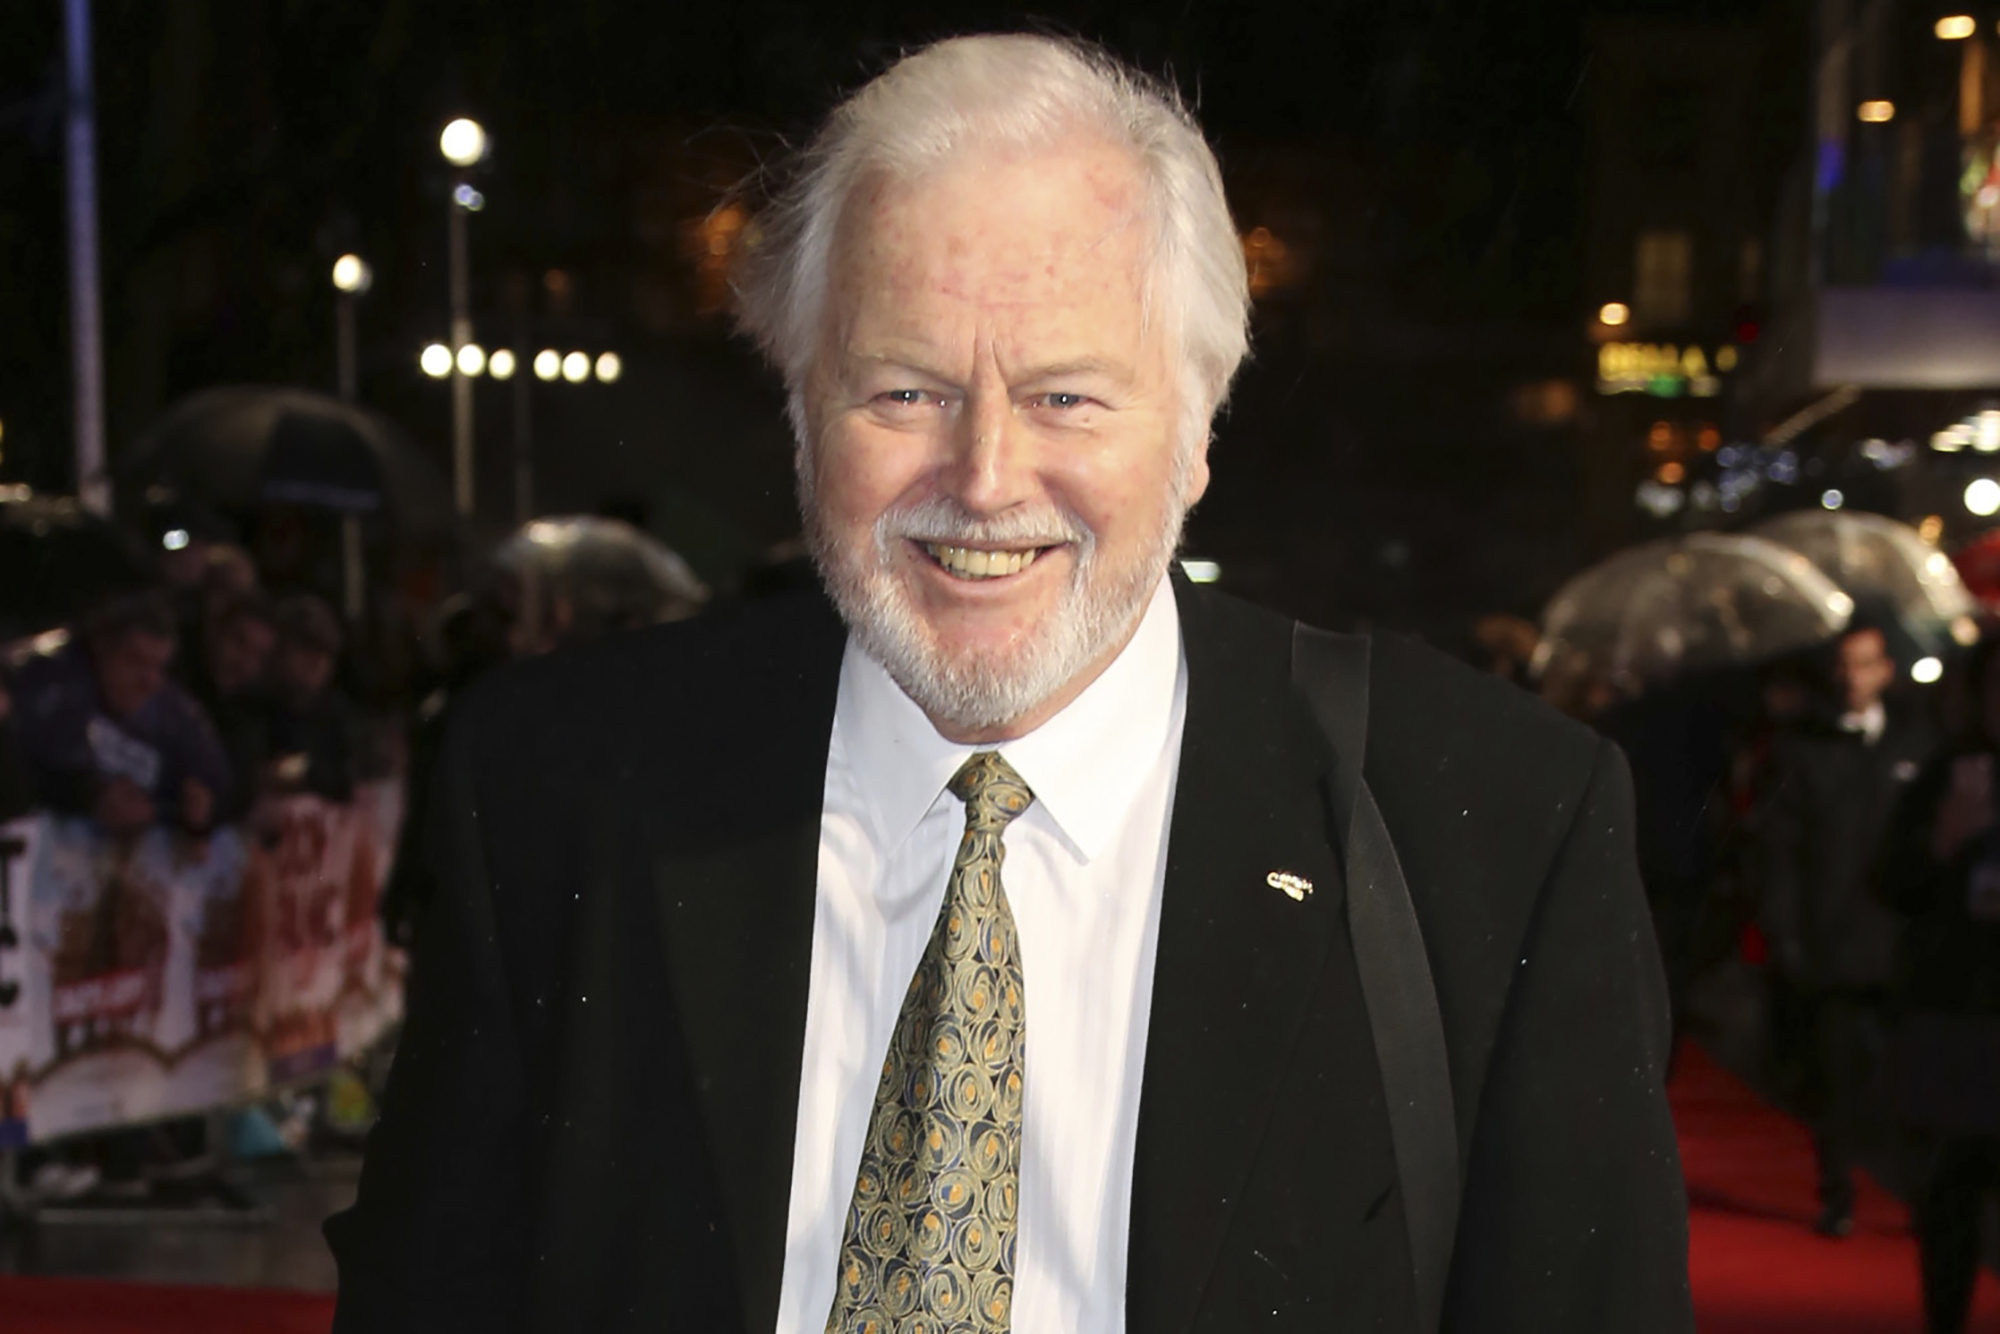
<point>463,142</point>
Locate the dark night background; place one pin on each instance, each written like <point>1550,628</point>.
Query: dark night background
<point>1425,166</point>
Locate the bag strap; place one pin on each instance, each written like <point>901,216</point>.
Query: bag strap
<point>1332,672</point>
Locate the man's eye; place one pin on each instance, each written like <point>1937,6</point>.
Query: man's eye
<point>906,398</point>
<point>1064,400</point>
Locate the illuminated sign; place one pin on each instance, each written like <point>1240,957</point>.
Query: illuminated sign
<point>1663,370</point>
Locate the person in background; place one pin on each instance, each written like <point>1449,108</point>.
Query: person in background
<point>240,641</point>
<point>183,537</point>
<point>309,726</point>
<point>1505,646</point>
<point>1941,867</point>
<point>1677,737</point>
<point>17,785</point>
<point>107,734</point>
<point>1834,780</point>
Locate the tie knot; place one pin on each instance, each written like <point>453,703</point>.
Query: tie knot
<point>992,792</point>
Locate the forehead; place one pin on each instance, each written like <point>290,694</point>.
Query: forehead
<point>1041,238</point>
<point>1866,643</point>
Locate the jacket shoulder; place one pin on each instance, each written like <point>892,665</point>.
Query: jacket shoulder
<point>1427,710</point>
<point>1442,708</point>
<point>709,693</point>
<point>673,670</point>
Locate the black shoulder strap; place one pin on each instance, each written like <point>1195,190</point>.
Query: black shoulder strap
<point>1332,672</point>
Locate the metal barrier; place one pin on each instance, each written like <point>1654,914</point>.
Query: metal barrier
<point>166,976</point>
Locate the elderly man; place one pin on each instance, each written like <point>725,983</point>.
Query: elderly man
<point>728,1018</point>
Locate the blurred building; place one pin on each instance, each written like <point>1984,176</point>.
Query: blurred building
<point>1687,141</point>
<point>1885,319</point>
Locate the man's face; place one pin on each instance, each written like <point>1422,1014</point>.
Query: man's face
<point>303,670</point>
<point>240,652</point>
<point>1863,669</point>
<point>131,668</point>
<point>993,488</point>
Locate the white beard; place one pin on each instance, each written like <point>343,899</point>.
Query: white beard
<point>973,692</point>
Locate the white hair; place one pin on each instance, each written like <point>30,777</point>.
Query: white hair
<point>1020,92</point>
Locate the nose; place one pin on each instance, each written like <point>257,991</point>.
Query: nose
<point>992,464</point>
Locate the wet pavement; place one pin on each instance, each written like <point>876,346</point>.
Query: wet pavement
<point>276,1245</point>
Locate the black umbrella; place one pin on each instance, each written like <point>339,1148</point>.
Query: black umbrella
<point>238,446</point>
<point>57,559</point>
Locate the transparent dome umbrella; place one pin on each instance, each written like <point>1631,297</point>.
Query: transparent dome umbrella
<point>1887,568</point>
<point>1651,614</point>
<point>579,577</point>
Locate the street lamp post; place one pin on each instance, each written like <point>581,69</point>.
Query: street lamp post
<point>86,316</point>
<point>351,277</point>
<point>524,433</point>
<point>463,144</point>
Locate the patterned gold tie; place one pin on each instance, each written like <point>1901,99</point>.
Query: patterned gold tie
<point>929,1246</point>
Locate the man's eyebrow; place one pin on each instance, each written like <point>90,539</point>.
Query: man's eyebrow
<point>1078,366</point>
<point>899,361</point>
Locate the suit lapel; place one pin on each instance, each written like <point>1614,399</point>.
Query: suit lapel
<point>1238,959</point>
<point>736,893</point>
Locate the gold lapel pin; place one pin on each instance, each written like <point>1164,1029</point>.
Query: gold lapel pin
<point>1296,886</point>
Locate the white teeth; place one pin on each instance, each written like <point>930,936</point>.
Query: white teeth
<point>968,563</point>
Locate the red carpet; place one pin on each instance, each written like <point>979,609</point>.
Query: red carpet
<point>1757,1267</point>
<point>91,1306</point>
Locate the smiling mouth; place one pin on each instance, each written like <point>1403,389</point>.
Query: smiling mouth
<point>979,563</point>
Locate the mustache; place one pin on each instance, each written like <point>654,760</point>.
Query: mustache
<point>941,519</point>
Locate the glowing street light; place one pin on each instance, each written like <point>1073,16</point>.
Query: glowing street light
<point>1927,671</point>
<point>352,275</point>
<point>1879,111</point>
<point>576,367</point>
<point>1614,313</point>
<point>436,361</point>
<point>1955,27</point>
<point>1982,497</point>
<point>351,278</point>
<point>463,142</point>
<point>464,145</point>
<point>609,366</point>
<point>501,364</point>
<point>548,364</point>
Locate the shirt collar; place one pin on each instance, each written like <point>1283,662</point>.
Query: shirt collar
<point>1868,723</point>
<point>1085,765</point>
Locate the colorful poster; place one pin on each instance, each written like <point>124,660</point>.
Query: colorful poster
<point>163,975</point>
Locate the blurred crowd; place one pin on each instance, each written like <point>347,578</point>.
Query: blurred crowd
<point>184,702</point>
<point>180,704</point>
<point>224,680</point>
<point>1823,827</point>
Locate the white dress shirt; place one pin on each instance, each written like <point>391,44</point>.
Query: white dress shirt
<point>1868,723</point>
<point>1084,870</point>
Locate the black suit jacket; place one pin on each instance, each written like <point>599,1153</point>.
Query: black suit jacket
<point>590,1121</point>
<point>1832,796</point>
